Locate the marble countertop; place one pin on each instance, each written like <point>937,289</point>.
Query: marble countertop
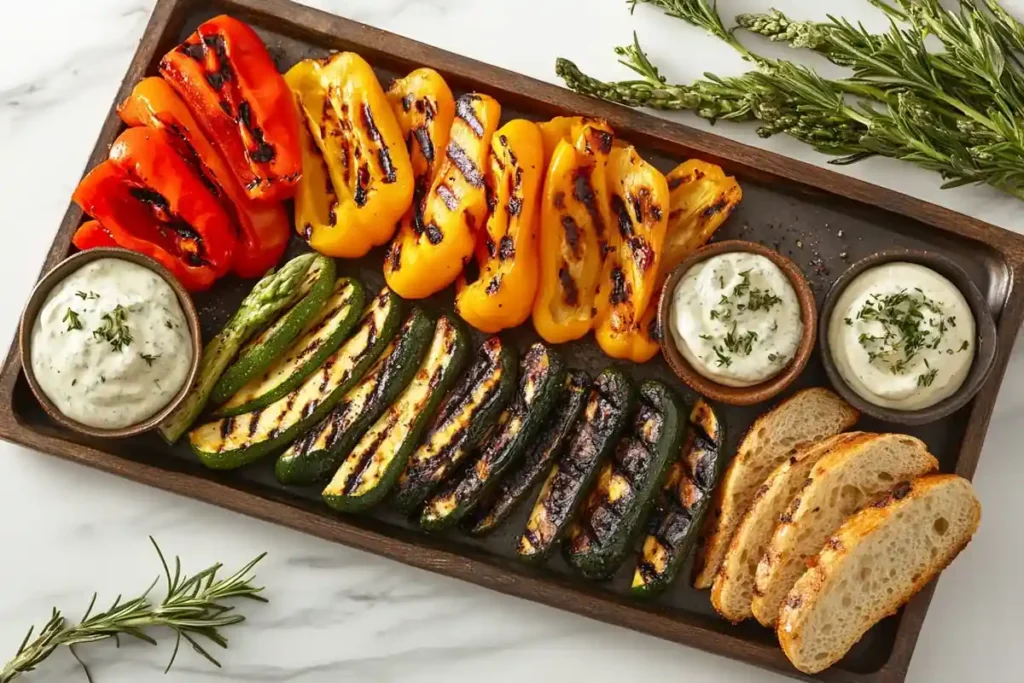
<point>335,613</point>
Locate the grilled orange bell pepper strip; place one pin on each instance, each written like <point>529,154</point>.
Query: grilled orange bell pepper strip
<point>91,235</point>
<point>425,109</point>
<point>427,258</point>
<point>639,198</point>
<point>263,228</point>
<point>358,179</point>
<point>701,199</point>
<point>502,295</point>
<point>574,230</point>
<point>228,79</point>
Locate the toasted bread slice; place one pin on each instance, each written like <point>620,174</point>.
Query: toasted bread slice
<point>805,417</point>
<point>733,589</point>
<point>877,561</point>
<point>839,485</point>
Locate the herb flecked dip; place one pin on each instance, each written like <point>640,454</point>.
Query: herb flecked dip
<point>902,336</point>
<point>111,345</point>
<point>736,319</point>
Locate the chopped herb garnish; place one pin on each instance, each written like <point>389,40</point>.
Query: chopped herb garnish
<point>772,357</point>
<point>114,330</point>
<point>966,345</point>
<point>74,382</point>
<point>903,333</point>
<point>723,360</point>
<point>168,324</point>
<point>87,295</point>
<point>706,337</point>
<point>148,358</point>
<point>72,319</point>
<point>927,378</point>
<point>849,321</point>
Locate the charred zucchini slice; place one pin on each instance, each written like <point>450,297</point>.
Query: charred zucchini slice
<point>318,452</point>
<point>320,339</point>
<point>466,416</point>
<point>260,353</point>
<point>540,454</point>
<point>541,376</point>
<point>685,497</point>
<point>372,468</point>
<point>628,484</point>
<point>235,441</point>
<point>609,404</point>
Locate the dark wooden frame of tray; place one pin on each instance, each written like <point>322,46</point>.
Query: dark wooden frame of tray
<point>544,99</point>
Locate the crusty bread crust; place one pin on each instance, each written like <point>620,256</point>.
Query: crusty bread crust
<point>938,514</point>
<point>840,484</point>
<point>805,417</point>
<point>733,589</point>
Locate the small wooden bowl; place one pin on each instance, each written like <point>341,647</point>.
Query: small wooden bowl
<point>35,302</point>
<point>757,393</point>
<point>985,328</point>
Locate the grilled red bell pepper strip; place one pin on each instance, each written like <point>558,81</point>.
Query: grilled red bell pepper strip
<point>91,235</point>
<point>106,194</point>
<point>263,227</point>
<point>228,79</point>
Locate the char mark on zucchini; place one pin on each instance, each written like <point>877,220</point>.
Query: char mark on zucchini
<point>540,454</point>
<point>541,378</point>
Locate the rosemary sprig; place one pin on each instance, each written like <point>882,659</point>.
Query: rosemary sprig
<point>193,607</point>
<point>955,111</point>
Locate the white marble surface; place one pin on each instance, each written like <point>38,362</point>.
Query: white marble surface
<point>338,614</point>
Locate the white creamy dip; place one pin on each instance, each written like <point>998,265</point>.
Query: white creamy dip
<point>736,319</point>
<point>111,345</point>
<point>902,336</point>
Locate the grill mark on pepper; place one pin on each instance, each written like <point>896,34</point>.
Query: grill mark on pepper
<point>572,236</point>
<point>622,216</point>
<point>264,152</point>
<point>570,293</point>
<point>643,254</point>
<point>604,140</point>
<point>464,110</point>
<point>195,51</point>
<point>620,289</point>
<point>466,166</point>
<point>558,200</point>
<point>383,152</point>
<point>583,192</point>
<point>407,102</point>
<point>434,234</point>
<point>447,196</point>
<point>191,246</point>
<point>422,136</point>
<point>506,248</point>
<point>494,285</point>
<point>361,194</point>
<point>395,256</point>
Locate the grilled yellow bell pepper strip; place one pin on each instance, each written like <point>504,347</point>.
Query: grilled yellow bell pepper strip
<point>425,109</point>
<point>639,198</point>
<point>502,295</point>
<point>575,224</point>
<point>701,197</point>
<point>427,258</point>
<point>357,178</point>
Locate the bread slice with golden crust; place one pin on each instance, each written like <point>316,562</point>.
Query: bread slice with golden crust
<point>875,563</point>
<point>805,417</point>
<point>733,589</point>
<point>839,484</point>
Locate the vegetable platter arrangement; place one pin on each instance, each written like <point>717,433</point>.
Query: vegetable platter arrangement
<point>574,353</point>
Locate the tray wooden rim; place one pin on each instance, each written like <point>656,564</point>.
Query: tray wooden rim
<point>644,129</point>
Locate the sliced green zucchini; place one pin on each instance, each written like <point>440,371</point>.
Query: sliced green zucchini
<point>464,418</point>
<point>684,499</point>
<point>231,442</point>
<point>373,466</point>
<point>628,484</point>
<point>541,377</point>
<point>609,405</point>
<point>494,508</point>
<point>322,337</point>
<point>258,355</point>
<point>317,453</point>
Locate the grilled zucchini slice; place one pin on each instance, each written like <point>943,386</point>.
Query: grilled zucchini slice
<point>608,408</point>
<point>466,416</point>
<point>231,442</point>
<point>372,468</point>
<point>684,499</point>
<point>318,452</point>
<point>320,339</point>
<point>627,484</point>
<point>541,376</point>
<point>260,353</point>
<point>540,454</point>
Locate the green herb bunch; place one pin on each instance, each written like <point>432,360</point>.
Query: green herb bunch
<point>957,110</point>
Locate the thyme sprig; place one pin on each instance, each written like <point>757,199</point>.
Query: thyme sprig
<point>114,329</point>
<point>72,319</point>
<point>954,111</point>
<point>906,330</point>
<point>192,608</point>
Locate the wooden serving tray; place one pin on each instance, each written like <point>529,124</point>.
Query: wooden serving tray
<point>822,220</point>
